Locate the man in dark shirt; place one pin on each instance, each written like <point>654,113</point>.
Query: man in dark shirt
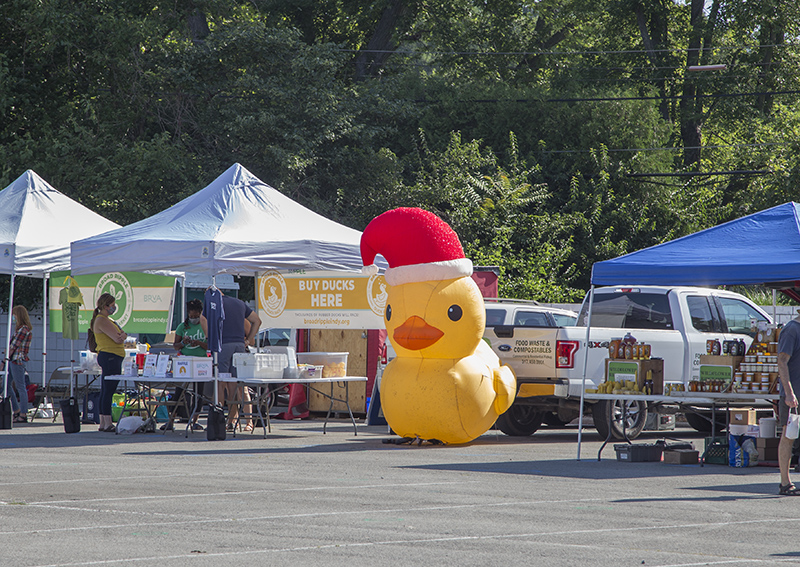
<point>789,373</point>
<point>233,340</point>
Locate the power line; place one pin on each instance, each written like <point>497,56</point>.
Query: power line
<point>613,99</point>
<point>588,52</point>
<point>702,173</point>
<point>665,148</point>
<point>672,97</point>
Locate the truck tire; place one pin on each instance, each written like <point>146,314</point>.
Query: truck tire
<point>608,414</point>
<point>520,421</point>
<point>701,421</point>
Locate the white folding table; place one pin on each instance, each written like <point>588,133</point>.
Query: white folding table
<point>263,392</point>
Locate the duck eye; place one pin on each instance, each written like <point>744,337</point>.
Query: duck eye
<point>454,312</point>
<point>388,312</point>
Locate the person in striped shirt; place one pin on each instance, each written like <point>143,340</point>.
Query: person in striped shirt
<point>18,356</point>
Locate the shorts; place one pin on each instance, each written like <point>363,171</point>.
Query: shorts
<point>783,412</point>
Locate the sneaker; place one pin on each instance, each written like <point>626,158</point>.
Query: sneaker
<point>197,427</point>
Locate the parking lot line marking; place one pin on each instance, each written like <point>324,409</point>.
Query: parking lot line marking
<point>95,479</point>
<point>270,517</point>
<point>246,492</point>
<point>418,541</point>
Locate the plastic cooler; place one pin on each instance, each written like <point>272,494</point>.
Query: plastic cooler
<point>260,365</point>
<point>333,364</point>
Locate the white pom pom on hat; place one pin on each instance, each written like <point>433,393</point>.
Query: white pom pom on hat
<point>417,244</point>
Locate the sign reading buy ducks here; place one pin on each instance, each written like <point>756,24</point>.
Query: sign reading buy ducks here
<point>302,299</point>
<point>144,301</point>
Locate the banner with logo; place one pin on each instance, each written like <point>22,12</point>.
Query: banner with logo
<point>144,301</point>
<point>301,299</point>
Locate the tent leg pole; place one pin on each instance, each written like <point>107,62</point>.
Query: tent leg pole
<point>183,298</point>
<point>775,306</point>
<point>8,335</point>
<point>45,281</point>
<point>585,363</point>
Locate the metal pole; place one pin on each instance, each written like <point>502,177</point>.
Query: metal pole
<point>45,280</point>
<point>183,297</point>
<point>775,307</point>
<point>585,363</point>
<point>216,357</point>
<point>8,335</point>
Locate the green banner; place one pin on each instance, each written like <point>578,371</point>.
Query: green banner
<point>144,301</point>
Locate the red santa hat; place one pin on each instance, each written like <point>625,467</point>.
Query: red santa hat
<point>418,245</point>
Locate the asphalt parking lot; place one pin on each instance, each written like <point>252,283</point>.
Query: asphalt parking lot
<point>303,498</point>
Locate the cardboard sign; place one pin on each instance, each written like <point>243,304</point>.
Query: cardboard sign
<point>150,362</point>
<point>161,365</point>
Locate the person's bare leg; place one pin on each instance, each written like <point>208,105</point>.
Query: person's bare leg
<point>247,408</point>
<point>785,457</point>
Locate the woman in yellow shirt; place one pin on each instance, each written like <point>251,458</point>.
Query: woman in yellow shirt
<point>110,352</point>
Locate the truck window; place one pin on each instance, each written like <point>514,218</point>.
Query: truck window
<point>701,314</point>
<point>738,315</point>
<point>529,319</point>
<point>495,317</point>
<point>629,311</point>
<point>565,320</point>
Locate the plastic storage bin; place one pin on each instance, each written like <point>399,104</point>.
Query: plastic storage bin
<point>333,364</point>
<point>260,365</point>
<point>88,361</point>
<point>639,453</point>
<point>716,450</point>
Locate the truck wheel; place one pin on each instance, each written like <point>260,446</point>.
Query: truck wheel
<point>608,414</point>
<point>701,421</point>
<point>520,421</point>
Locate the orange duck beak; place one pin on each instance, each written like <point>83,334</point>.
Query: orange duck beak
<point>416,334</point>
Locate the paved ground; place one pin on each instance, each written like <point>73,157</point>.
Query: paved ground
<point>303,498</point>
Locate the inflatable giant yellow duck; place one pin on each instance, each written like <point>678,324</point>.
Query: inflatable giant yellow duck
<point>445,385</point>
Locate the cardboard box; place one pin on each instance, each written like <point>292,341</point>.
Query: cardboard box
<point>182,367</point>
<point>767,453</point>
<point>623,369</point>
<point>721,360</point>
<point>193,366</point>
<point>681,456</point>
<point>203,368</point>
<point>767,442</point>
<point>743,416</point>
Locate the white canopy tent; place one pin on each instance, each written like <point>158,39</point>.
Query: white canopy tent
<point>37,223</point>
<point>236,225</point>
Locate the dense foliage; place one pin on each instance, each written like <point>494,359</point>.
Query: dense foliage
<point>550,134</point>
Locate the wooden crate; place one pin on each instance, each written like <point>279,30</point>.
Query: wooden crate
<point>639,368</point>
<point>353,341</point>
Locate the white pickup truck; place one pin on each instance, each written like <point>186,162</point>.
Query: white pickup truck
<point>548,361</point>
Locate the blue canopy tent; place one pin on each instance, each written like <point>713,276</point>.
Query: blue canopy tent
<point>762,248</point>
